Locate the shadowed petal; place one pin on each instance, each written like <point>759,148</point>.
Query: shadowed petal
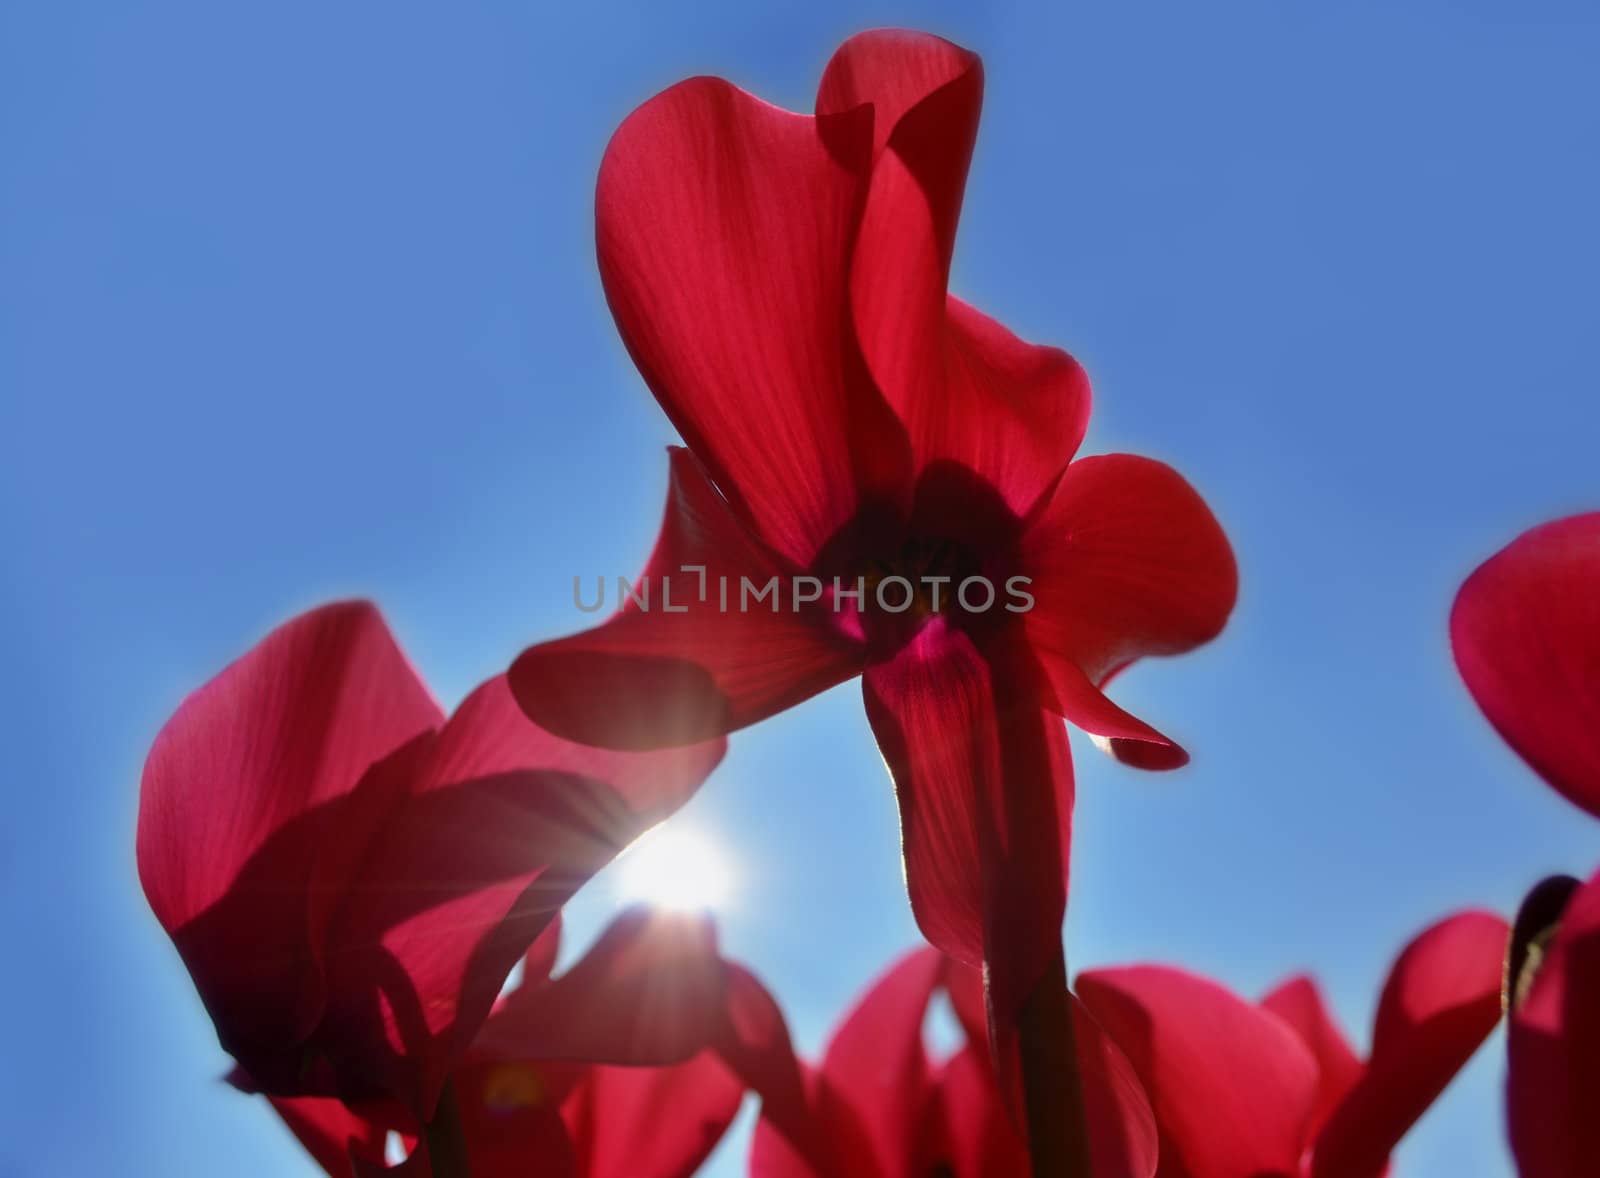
<point>1554,1083</point>
<point>501,824</point>
<point>981,1140</point>
<point>876,1059</point>
<point>637,1122</point>
<point>1127,562</point>
<point>242,789</point>
<point>1232,1086</point>
<point>649,678</point>
<point>652,990</point>
<point>331,1133</point>
<point>724,226</point>
<point>1526,634</point>
<point>966,388</point>
<point>984,782</point>
<point>1440,1003</point>
<point>1299,1003</point>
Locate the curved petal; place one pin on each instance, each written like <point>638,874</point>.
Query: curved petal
<point>1299,1003</point>
<point>243,788</point>
<point>984,782</point>
<point>496,824</point>
<point>832,1144</point>
<point>1232,1087</point>
<point>1554,1043</point>
<point>977,1138</point>
<point>1123,1137</point>
<point>876,1060</point>
<point>755,1043</point>
<point>1526,634</point>
<point>331,1133</point>
<point>651,991</point>
<point>967,390</point>
<point>1126,562</point>
<point>511,1117</point>
<point>650,1122</point>
<point>654,677</point>
<point>1115,732</point>
<point>1440,1003</point>
<point>968,1131</point>
<point>723,228</point>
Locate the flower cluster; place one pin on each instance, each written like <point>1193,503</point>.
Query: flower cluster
<point>351,876</point>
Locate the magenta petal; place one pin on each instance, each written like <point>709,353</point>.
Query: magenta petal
<point>642,1122</point>
<point>968,391</point>
<point>1526,633</point>
<point>650,678</point>
<point>984,782</point>
<point>1440,1003</point>
<point>651,990</point>
<point>1299,1003</point>
<point>876,1059</point>
<point>241,790</point>
<point>501,824</point>
<point>724,226</point>
<point>968,1130</point>
<point>1127,562</point>
<point>1121,734</point>
<point>331,1133</point>
<point>1232,1087</point>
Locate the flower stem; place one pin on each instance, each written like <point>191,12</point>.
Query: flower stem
<point>1058,1131</point>
<point>445,1141</point>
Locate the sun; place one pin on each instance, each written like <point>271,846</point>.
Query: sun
<point>675,867</point>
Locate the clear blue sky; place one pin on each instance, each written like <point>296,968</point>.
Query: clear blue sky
<point>299,300</point>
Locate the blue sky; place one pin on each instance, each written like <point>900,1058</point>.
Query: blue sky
<point>299,301</point>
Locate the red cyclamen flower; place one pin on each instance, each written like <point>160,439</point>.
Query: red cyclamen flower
<point>874,444</point>
<point>632,1064</point>
<point>348,876</point>
<point>1526,633</point>
<point>879,1107</point>
<point>1275,1091</point>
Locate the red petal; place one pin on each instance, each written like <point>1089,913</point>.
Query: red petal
<point>241,790</point>
<point>1526,633</point>
<point>331,1133</point>
<point>503,823</point>
<point>833,1143</point>
<point>648,678</point>
<point>968,1130</point>
<point>1554,1085</point>
<point>1440,1003</point>
<point>1114,731</point>
<point>652,990</point>
<point>651,1122</point>
<point>1299,1003</point>
<point>984,781</point>
<point>511,1116</point>
<point>1233,1088</point>
<point>724,228</point>
<point>968,390</point>
<point>800,1116</point>
<point>1127,561</point>
<point>876,1059</point>
<point>490,736</point>
<point>981,1139</point>
<point>1123,1138</point>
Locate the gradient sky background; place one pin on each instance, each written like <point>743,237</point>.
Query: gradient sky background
<point>299,300</point>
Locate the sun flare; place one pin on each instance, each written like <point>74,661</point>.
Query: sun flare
<point>675,867</point>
